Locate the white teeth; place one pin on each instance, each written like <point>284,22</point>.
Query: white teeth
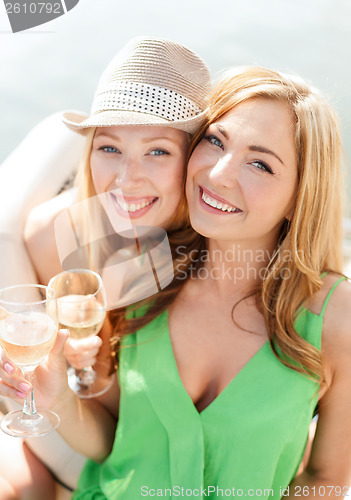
<point>132,207</point>
<point>217,204</point>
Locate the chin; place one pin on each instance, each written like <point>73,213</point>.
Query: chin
<point>201,228</point>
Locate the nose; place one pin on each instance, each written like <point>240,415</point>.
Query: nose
<point>225,172</point>
<point>129,174</point>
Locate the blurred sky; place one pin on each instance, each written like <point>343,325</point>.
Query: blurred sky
<point>56,66</point>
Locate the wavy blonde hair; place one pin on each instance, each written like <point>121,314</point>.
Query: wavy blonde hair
<point>313,236</point>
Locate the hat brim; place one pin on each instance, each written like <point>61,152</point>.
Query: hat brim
<point>81,123</point>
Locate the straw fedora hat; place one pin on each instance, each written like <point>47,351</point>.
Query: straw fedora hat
<point>151,81</point>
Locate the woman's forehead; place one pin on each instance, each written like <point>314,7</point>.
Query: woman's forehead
<point>141,132</point>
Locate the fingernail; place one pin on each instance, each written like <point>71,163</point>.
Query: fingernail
<point>24,387</point>
<point>8,368</point>
<point>21,394</point>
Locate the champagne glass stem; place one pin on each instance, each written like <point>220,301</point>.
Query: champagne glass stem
<point>29,407</point>
<point>87,375</point>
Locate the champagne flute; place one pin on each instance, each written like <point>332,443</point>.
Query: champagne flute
<point>28,328</point>
<point>82,309</point>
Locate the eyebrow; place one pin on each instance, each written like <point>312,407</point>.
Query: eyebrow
<point>117,138</point>
<point>262,149</point>
<point>158,139</point>
<point>109,136</point>
<point>259,149</point>
<point>221,130</point>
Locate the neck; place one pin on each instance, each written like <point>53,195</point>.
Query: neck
<point>234,268</point>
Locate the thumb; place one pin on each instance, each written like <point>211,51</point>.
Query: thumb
<point>62,336</point>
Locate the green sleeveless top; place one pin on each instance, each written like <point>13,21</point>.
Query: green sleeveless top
<point>250,438</point>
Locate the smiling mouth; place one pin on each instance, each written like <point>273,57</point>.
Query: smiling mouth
<point>221,206</point>
<point>135,206</point>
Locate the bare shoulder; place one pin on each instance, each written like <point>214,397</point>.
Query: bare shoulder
<point>39,235</point>
<point>331,450</point>
<point>337,316</point>
<point>338,299</point>
<point>336,335</point>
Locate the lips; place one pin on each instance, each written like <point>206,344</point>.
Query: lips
<point>133,207</point>
<point>216,203</point>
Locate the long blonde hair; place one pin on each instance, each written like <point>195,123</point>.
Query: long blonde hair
<point>313,236</point>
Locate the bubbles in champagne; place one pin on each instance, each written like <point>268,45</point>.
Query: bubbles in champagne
<point>27,337</point>
<point>83,315</point>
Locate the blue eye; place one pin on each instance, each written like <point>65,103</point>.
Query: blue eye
<point>109,149</point>
<point>158,152</point>
<point>212,139</point>
<point>261,165</point>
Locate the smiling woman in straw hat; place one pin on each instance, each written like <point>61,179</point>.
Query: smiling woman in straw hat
<point>155,88</point>
<point>149,100</point>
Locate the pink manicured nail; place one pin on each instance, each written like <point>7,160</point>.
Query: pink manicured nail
<point>24,387</point>
<point>8,368</point>
<point>21,394</point>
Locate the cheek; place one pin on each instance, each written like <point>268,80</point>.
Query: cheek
<point>171,178</point>
<point>195,162</point>
<point>192,169</point>
<point>277,200</point>
<point>171,187</point>
<point>99,177</point>
<point>288,193</point>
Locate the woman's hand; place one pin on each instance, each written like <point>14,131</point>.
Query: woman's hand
<point>50,382</point>
<point>88,426</point>
<point>82,353</point>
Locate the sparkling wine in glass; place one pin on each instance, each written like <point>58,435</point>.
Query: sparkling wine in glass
<point>28,328</point>
<point>82,309</point>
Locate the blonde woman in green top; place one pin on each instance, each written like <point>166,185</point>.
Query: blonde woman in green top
<point>220,374</point>
<point>270,155</point>
<point>223,375</point>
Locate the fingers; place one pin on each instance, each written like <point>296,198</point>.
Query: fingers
<point>12,382</point>
<point>82,353</point>
<point>58,347</point>
<point>17,394</point>
<point>56,358</point>
<point>89,344</point>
